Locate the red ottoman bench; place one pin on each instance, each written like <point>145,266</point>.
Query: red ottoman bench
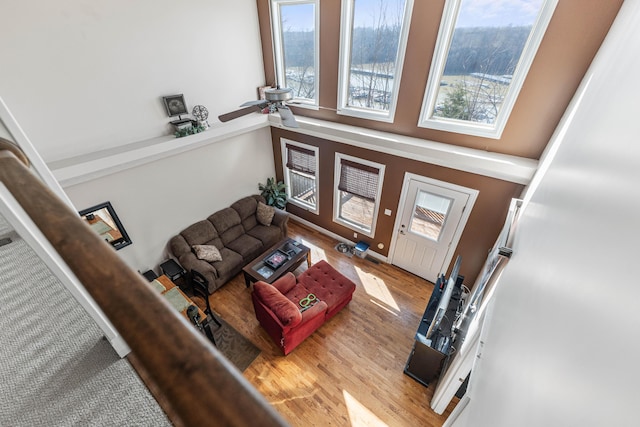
<point>277,306</point>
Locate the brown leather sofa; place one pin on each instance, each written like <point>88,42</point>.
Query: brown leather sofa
<point>236,233</point>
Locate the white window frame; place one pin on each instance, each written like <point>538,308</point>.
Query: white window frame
<point>287,179</point>
<point>346,32</point>
<point>278,48</point>
<point>445,34</point>
<point>336,193</point>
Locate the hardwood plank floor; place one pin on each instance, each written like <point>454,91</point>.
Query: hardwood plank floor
<point>350,371</point>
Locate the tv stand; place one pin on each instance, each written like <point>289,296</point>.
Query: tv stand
<point>428,355</point>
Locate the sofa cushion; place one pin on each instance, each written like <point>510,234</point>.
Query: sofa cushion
<point>227,223</point>
<point>269,236</point>
<point>297,293</point>
<point>199,233</point>
<point>247,246</point>
<point>285,283</point>
<point>229,263</point>
<point>286,311</point>
<point>264,214</point>
<point>207,253</point>
<point>246,208</point>
<point>328,284</point>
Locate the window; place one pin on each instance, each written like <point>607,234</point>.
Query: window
<point>300,163</point>
<point>357,193</point>
<point>295,42</point>
<point>483,53</point>
<point>429,214</point>
<point>373,40</point>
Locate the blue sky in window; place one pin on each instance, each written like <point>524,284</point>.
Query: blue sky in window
<point>297,17</point>
<point>367,12</point>
<point>498,13</point>
<point>300,17</point>
<point>473,13</point>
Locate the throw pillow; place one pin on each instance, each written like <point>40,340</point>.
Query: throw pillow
<point>265,213</point>
<point>207,253</point>
<point>284,309</point>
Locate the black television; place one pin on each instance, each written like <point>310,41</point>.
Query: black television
<point>443,304</point>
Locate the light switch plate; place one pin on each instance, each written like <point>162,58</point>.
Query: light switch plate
<point>387,212</point>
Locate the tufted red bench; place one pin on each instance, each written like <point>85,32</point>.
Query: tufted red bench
<point>278,309</point>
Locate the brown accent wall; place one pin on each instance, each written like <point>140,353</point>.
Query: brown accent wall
<point>481,231</point>
<point>572,39</point>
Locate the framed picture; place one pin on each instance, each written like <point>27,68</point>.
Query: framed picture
<point>175,105</point>
<point>276,259</point>
<point>103,220</point>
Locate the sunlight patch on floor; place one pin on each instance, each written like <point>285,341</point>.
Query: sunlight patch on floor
<point>376,288</point>
<point>360,415</point>
<point>384,307</point>
<point>317,253</point>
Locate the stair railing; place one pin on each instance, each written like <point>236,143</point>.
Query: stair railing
<point>194,383</point>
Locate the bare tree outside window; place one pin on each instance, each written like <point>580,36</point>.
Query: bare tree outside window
<point>377,26</point>
<point>297,24</point>
<point>478,72</point>
<point>482,58</point>
<point>483,53</point>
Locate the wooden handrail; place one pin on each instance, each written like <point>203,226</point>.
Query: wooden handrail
<point>202,387</point>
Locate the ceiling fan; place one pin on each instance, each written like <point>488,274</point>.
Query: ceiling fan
<point>275,99</point>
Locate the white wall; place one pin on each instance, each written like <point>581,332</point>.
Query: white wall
<point>562,348</point>
<point>80,75</point>
<point>159,199</point>
<point>4,133</point>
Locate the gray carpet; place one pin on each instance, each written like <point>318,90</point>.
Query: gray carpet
<point>55,367</point>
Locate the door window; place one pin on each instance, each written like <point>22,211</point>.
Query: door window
<point>429,214</point>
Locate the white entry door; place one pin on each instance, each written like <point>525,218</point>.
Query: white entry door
<point>431,217</point>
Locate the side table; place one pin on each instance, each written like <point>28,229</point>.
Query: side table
<point>172,270</point>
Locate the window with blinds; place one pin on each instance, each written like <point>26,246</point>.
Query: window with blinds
<point>357,193</point>
<point>300,172</point>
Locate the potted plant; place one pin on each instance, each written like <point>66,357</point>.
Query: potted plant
<point>274,193</point>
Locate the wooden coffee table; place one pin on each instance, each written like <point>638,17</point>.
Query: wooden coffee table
<point>293,252</point>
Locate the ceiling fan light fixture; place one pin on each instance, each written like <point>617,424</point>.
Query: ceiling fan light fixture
<point>278,94</point>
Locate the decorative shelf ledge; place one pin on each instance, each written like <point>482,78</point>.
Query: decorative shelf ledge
<point>79,169</point>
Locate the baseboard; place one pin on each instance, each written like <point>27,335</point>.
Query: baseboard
<point>119,345</point>
<point>339,238</point>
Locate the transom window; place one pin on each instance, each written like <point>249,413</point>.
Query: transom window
<point>358,184</point>
<point>295,41</point>
<point>300,163</point>
<point>483,53</point>
<point>373,41</point>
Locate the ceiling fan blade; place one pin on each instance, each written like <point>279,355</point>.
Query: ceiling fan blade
<point>287,117</point>
<point>239,113</point>
<point>260,102</point>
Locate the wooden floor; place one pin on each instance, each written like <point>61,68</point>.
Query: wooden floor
<point>350,371</point>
